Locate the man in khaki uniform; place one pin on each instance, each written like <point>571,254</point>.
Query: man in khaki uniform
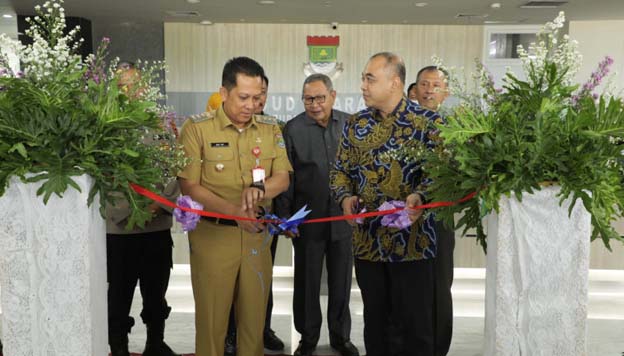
<point>231,260</point>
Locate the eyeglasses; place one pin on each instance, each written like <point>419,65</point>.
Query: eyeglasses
<point>309,100</point>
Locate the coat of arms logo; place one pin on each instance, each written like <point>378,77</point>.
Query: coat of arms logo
<point>323,53</point>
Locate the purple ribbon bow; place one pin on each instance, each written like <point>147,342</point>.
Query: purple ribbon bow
<point>186,218</point>
<point>399,219</point>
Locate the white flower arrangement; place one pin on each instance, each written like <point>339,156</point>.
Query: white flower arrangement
<point>64,117</point>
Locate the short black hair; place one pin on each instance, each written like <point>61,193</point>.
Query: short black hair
<point>431,69</point>
<point>240,65</point>
<point>266,80</point>
<point>410,87</point>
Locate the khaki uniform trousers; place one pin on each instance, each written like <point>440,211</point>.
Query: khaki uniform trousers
<point>229,265</point>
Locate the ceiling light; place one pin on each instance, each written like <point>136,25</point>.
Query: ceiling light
<point>364,21</point>
<point>543,4</point>
<point>205,22</point>
<point>183,13</point>
<point>495,5</point>
<point>193,1</point>
<point>470,16</point>
<point>421,4</point>
<point>7,16</point>
<point>266,2</point>
<point>494,22</point>
<point>242,20</point>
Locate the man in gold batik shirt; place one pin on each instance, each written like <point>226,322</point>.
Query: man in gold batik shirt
<point>393,266</point>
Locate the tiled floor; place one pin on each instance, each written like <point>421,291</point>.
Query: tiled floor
<point>606,314</point>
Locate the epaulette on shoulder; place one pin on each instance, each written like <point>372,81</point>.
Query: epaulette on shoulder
<point>266,119</point>
<point>203,116</point>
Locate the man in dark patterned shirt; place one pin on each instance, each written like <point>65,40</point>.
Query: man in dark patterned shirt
<point>393,266</point>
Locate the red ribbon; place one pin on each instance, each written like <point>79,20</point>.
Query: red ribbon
<point>155,197</point>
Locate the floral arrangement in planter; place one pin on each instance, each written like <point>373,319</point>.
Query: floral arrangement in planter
<point>63,116</point>
<point>541,130</point>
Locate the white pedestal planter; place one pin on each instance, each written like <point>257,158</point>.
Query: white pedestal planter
<point>52,273</point>
<point>537,277</point>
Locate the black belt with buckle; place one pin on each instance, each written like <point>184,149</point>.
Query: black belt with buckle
<point>219,221</point>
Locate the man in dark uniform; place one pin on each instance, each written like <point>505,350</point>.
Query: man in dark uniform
<point>271,341</point>
<point>141,254</point>
<point>311,142</point>
<point>430,91</point>
<point>238,164</point>
<point>411,92</point>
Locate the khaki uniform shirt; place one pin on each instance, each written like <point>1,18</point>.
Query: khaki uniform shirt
<point>222,157</point>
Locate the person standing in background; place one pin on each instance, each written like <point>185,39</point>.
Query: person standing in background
<point>431,91</point>
<point>271,341</point>
<point>140,254</point>
<point>311,142</point>
<point>411,92</point>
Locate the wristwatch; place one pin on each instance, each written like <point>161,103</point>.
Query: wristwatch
<point>258,185</point>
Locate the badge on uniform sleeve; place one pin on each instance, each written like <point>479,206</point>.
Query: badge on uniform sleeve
<point>257,173</point>
<point>280,140</point>
<point>219,167</point>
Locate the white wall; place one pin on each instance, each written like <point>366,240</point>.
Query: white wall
<point>598,39</point>
<point>196,53</point>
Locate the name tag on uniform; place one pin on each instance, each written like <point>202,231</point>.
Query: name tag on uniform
<point>258,174</point>
<point>219,144</point>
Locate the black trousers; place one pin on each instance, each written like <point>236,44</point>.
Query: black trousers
<point>309,255</point>
<point>269,309</point>
<point>443,275</point>
<point>396,294</point>
<point>145,258</point>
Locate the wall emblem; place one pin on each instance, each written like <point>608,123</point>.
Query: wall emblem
<point>323,55</point>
